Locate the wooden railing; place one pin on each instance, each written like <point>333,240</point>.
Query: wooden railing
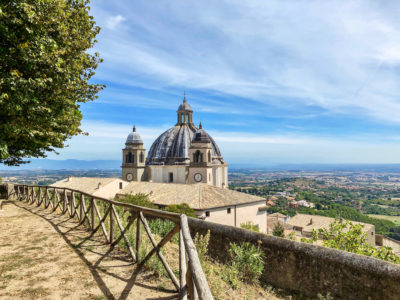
<point>100,213</point>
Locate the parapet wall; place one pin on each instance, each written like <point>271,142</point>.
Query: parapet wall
<point>307,270</point>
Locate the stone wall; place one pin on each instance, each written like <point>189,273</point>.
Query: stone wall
<point>306,270</point>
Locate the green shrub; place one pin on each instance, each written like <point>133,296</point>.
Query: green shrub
<point>162,228</point>
<point>139,199</point>
<point>248,260</point>
<point>231,276</point>
<point>306,240</point>
<point>250,226</point>
<point>182,208</point>
<point>291,236</point>
<point>278,230</point>
<point>201,242</point>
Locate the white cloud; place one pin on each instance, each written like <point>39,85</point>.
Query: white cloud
<point>106,140</point>
<point>113,22</point>
<point>338,57</point>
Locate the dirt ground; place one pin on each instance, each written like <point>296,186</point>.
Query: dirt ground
<point>44,255</point>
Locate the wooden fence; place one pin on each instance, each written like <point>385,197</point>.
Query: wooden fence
<point>103,214</point>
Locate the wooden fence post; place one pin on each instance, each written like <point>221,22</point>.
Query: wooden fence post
<point>182,267</point>
<point>81,213</point>
<point>189,283</point>
<point>93,213</point>
<point>64,197</point>
<point>112,223</point>
<point>138,234</point>
<point>39,197</point>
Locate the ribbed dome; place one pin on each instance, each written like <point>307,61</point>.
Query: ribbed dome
<point>172,147</point>
<point>134,137</point>
<point>201,136</point>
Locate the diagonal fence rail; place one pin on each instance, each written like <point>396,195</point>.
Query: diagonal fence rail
<point>115,220</point>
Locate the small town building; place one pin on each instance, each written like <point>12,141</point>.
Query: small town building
<point>96,186</point>
<point>274,219</point>
<point>382,240</point>
<point>211,203</point>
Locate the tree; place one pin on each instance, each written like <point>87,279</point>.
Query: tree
<point>347,236</point>
<point>44,74</point>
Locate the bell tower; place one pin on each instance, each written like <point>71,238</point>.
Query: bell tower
<point>184,113</point>
<point>200,153</point>
<point>133,158</point>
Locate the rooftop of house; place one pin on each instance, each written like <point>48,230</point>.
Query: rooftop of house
<point>310,222</point>
<point>277,215</point>
<point>88,185</point>
<point>198,196</point>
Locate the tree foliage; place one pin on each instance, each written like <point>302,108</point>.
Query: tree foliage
<point>347,236</point>
<point>139,199</point>
<point>44,74</point>
<point>182,208</point>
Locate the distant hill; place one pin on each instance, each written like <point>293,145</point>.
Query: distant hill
<point>70,164</point>
<point>76,164</point>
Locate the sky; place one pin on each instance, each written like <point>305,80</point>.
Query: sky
<point>271,81</point>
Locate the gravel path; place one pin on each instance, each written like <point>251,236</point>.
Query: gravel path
<point>45,255</point>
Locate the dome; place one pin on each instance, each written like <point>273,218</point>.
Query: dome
<point>134,137</point>
<point>200,136</point>
<point>185,106</point>
<point>172,147</point>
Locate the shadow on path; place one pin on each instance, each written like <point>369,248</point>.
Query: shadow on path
<point>82,242</point>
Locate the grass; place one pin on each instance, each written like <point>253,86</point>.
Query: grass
<point>394,219</point>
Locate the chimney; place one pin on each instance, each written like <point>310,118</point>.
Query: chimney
<point>69,179</point>
<point>99,186</point>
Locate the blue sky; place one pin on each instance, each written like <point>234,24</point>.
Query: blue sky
<point>271,81</point>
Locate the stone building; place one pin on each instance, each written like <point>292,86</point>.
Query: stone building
<point>210,203</point>
<point>183,154</point>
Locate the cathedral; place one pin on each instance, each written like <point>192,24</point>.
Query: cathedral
<point>183,154</point>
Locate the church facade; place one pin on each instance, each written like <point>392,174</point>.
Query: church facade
<point>184,154</point>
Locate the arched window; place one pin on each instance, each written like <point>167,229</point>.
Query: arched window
<point>129,158</point>
<point>197,157</point>
<point>209,156</point>
<point>141,157</point>
<point>182,118</point>
<point>187,118</point>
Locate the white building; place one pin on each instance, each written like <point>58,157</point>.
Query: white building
<point>183,154</point>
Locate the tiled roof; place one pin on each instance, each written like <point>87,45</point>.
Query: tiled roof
<point>277,215</point>
<point>197,196</point>
<point>84,184</point>
<point>310,222</point>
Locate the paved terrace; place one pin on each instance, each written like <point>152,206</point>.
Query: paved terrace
<point>42,256</point>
